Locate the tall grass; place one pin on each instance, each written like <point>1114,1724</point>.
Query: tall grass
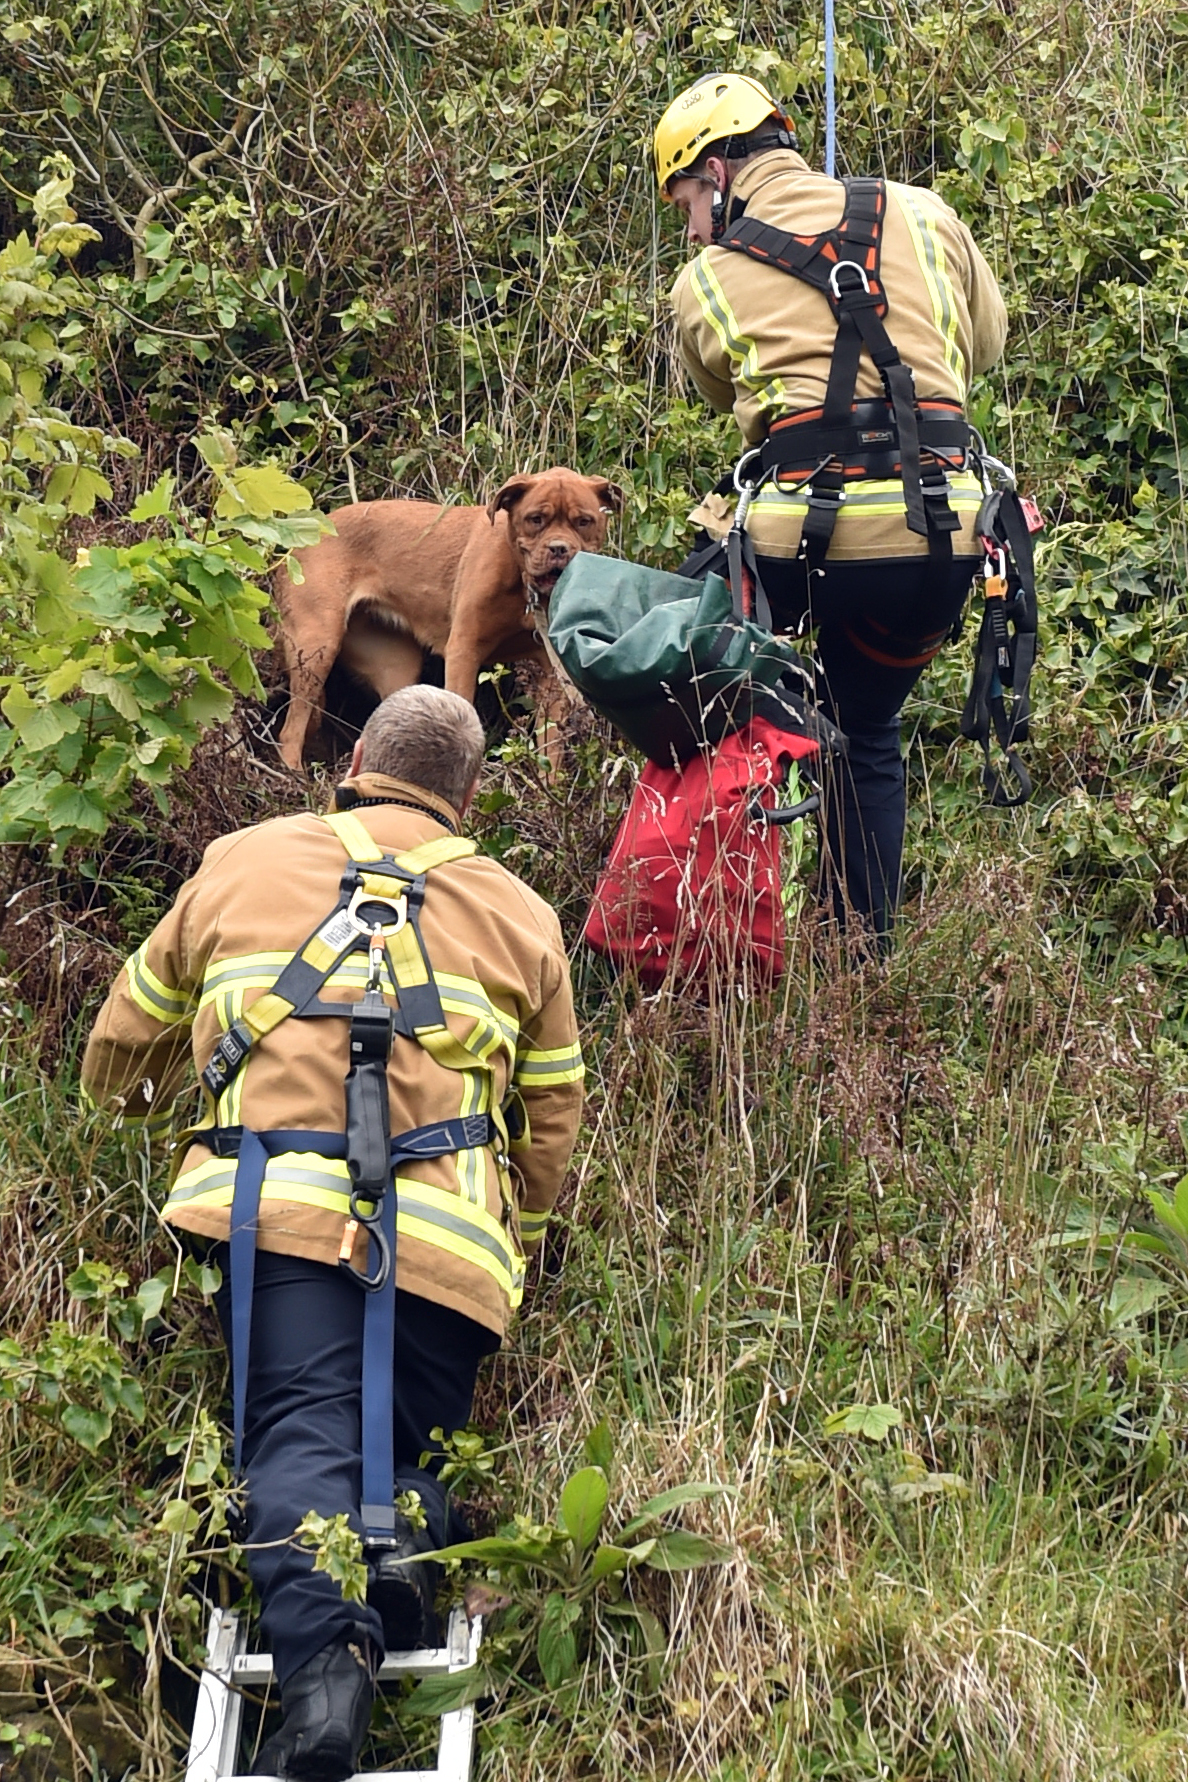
<point>850,1191</point>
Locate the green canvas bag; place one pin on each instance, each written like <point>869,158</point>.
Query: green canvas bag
<point>669,661</point>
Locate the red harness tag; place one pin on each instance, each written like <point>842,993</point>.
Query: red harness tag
<point>1032,514</point>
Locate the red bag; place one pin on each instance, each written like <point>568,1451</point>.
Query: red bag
<point>691,876</point>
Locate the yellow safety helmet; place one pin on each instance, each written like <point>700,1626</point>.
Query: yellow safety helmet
<point>713,109</point>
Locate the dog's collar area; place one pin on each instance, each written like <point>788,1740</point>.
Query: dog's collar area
<point>346,800</point>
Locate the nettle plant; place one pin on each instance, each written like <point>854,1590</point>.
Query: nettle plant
<point>112,663</point>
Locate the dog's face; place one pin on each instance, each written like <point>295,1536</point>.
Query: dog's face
<point>553,516</point>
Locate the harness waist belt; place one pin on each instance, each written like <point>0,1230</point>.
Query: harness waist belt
<point>868,443</point>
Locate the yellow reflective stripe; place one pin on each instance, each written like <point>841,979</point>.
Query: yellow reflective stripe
<point>532,1225</point>
<point>434,1215</point>
<point>469,1233</point>
<point>536,1068</point>
<point>469,995</point>
<point>150,994</point>
<point>260,968</point>
<point>353,836</point>
<point>739,348</point>
<point>877,499</point>
<point>464,1162</point>
<point>930,252</point>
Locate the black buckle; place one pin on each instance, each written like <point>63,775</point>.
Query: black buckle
<point>372,1025</point>
<point>226,1058</point>
<point>829,499</point>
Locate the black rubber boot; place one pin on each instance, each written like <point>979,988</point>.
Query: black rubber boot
<point>327,1710</point>
<point>402,1588</point>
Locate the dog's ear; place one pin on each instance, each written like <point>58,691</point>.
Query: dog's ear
<point>609,494</point>
<point>513,490</point>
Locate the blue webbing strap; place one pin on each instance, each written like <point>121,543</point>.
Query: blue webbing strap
<point>378,1509</point>
<point>463,1133</point>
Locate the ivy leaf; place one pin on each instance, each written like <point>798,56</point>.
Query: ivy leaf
<point>87,1424</point>
<point>179,1518</point>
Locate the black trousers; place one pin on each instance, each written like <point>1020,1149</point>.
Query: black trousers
<point>302,1447</point>
<point>874,620</point>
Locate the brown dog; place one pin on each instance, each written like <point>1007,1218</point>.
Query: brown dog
<point>468,582</point>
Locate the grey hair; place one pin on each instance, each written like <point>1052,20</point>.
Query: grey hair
<point>427,736</point>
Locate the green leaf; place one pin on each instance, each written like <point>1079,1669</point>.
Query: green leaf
<point>180,1518</point>
<point>671,1500</point>
<point>435,1696</point>
<point>217,449</point>
<point>118,693</point>
<point>608,1561</point>
<point>77,487</point>
<point>681,1552</point>
<point>598,1447</point>
<point>70,807</point>
<point>655,1641</point>
<point>155,501</point>
<point>150,1296</point>
<point>87,1424</point>
<point>261,491</point>
<point>583,1505</point>
<point>873,1422</point>
<point>556,1639</point>
<point>67,238</point>
<point>38,725</point>
<point>495,1550</point>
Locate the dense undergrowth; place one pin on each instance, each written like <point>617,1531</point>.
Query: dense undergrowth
<point>876,1254</point>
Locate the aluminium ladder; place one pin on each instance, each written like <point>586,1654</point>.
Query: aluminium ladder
<point>229,1669</point>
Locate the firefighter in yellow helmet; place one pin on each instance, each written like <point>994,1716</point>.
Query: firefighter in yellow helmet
<point>842,322</point>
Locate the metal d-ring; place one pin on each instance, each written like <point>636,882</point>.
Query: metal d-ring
<point>398,905</point>
<point>848,266</point>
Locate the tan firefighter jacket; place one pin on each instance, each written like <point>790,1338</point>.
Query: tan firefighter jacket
<point>759,342</point>
<point>465,1222</point>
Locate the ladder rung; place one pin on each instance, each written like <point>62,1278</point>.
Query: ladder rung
<point>228,1669</point>
<point>256,1667</point>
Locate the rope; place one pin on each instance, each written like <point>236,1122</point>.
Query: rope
<point>830,95</point>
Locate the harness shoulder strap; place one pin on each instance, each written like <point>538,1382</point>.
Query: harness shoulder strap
<point>859,304</point>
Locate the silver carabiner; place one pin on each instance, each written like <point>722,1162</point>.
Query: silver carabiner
<point>746,491</point>
<point>739,484</point>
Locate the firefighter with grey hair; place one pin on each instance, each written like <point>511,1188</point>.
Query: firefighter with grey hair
<point>381,1020</point>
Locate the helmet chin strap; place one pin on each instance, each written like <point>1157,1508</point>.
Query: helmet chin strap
<point>717,215</point>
